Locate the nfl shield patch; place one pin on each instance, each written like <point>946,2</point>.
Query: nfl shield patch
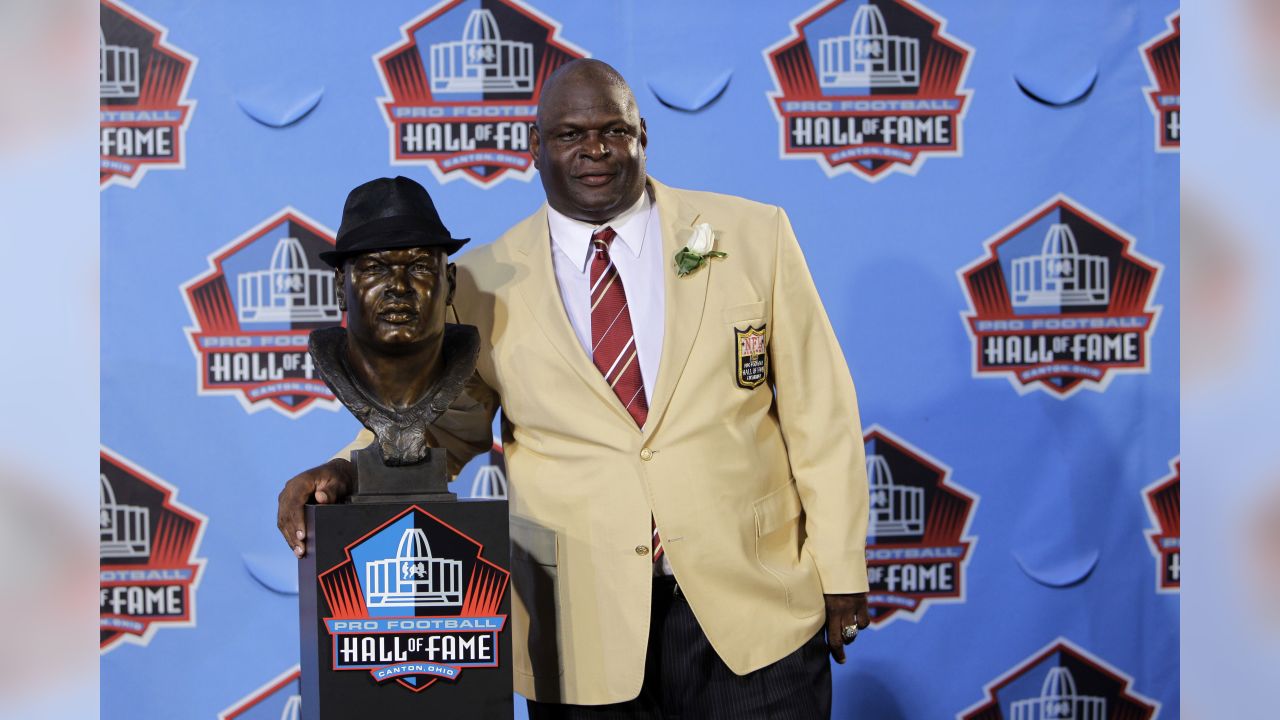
<point>753,358</point>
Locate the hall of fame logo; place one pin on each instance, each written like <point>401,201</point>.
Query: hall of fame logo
<point>142,96</point>
<point>752,349</point>
<point>917,541</point>
<point>463,85</point>
<point>255,307</point>
<point>278,699</point>
<point>1163,59</point>
<point>1163,499</point>
<point>1060,301</point>
<point>1062,682</point>
<point>870,87</point>
<point>148,569</point>
<point>490,480</point>
<point>414,602</point>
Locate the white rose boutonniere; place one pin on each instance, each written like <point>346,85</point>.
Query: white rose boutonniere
<point>698,250</point>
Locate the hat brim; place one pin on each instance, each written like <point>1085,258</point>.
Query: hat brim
<point>393,241</point>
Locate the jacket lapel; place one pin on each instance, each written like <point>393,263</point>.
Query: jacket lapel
<point>685,298</point>
<point>539,290</point>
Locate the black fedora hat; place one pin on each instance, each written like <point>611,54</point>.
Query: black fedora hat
<point>388,214</point>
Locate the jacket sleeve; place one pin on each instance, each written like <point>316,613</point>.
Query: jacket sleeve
<point>818,413</point>
<point>362,440</point>
<point>464,430</point>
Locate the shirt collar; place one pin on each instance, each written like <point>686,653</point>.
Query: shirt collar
<point>573,237</point>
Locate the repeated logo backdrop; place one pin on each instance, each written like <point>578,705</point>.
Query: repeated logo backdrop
<point>985,191</point>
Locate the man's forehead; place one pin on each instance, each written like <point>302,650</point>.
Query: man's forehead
<point>586,94</point>
<point>582,110</point>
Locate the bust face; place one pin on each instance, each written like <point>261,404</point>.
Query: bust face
<point>396,299</point>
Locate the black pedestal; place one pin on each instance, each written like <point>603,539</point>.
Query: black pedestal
<point>404,611</point>
<point>376,481</point>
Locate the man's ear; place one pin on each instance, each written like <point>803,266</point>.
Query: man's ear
<point>644,134</point>
<point>535,141</point>
<point>341,286</point>
<point>451,273</point>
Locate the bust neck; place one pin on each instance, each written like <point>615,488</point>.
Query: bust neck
<point>401,430</point>
<point>400,380</point>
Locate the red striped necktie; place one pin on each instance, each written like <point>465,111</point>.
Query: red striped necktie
<point>613,343</point>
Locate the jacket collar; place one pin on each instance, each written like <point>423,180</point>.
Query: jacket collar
<point>685,300</point>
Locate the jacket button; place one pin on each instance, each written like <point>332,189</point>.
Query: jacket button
<point>642,549</point>
<point>646,454</point>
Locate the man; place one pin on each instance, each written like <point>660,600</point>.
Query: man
<point>688,490</point>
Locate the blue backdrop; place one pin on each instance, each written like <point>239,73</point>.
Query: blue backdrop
<point>986,194</point>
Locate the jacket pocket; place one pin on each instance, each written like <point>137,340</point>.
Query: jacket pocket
<point>748,313</point>
<point>779,551</point>
<point>535,580</point>
<point>776,508</point>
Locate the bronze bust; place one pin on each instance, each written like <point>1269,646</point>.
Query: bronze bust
<point>397,365</point>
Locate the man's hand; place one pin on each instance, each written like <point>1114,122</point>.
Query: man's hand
<point>328,483</point>
<point>844,610</point>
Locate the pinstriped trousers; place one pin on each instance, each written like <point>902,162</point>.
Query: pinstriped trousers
<point>684,677</point>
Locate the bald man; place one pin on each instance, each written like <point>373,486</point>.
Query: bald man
<point>688,491</point>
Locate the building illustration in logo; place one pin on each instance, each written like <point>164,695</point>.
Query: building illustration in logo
<point>462,86</point>
<point>869,56</point>
<point>142,96</point>
<point>1163,57</point>
<point>1060,301</point>
<point>414,577</point>
<point>870,87</point>
<point>148,569</point>
<point>1060,274</point>
<point>278,699</point>
<point>288,290</point>
<point>415,601</point>
<point>124,530</point>
<point>490,481</point>
<point>117,70</point>
<point>1058,700</point>
<point>481,61</point>
<point>1163,499</point>
<point>895,509</point>
<point>253,310</point>
<point>1062,682</point>
<point>918,546</point>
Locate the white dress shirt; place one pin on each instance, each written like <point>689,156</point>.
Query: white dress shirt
<point>637,253</point>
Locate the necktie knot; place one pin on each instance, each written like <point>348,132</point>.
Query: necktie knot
<point>602,239</point>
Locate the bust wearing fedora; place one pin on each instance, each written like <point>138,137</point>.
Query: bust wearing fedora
<point>397,365</point>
